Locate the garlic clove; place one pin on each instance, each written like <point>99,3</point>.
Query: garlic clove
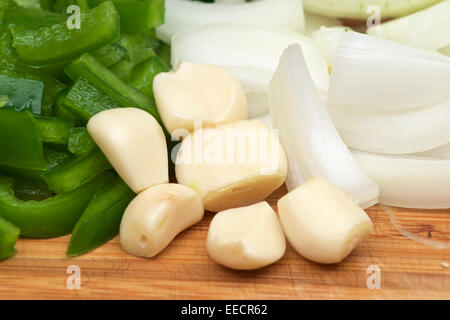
<point>135,145</point>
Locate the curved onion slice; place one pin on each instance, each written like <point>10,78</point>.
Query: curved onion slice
<point>358,9</point>
<point>427,29</point>
<point>398,132</point>
<point>409,181</point>
<point>308,135</point>
<point>378,74</point>
<point>249,53</point>
<point>328,39</point>
<point>182,15</point>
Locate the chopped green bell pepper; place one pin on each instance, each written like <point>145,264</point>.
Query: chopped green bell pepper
<point>20,143</point>
<point>9,234</point>
<point>22,94</point>
<point>100,221</point>
<point>32,18</point>
<point>110,54</point>
<point>81,142</point>
<point>85,100</point>
<point>105,80</point>
<point>54,130</point>
<point>30,190</point>
<point>142,75</point>
<point>52,217</point>
<point>58,43</point>
<point>76,172</point>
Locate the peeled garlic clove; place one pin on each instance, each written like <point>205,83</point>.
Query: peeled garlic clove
<point>232,165</point>
<point>135,145</point>
<point>154,218</point>
<point>198,92</point>
<point>246,238</point>
<point>321,221</point>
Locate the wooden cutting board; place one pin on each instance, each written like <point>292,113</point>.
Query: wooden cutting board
<point>408,270</point>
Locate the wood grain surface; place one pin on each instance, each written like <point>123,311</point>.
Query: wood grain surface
<point>184,270</point>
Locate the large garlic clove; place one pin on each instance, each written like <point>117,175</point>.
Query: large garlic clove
<point>154,218</point>
<point>135,145</point>
<point>246,238</point>
<point>321,221</point>
<point>198,92</point>
<point>232,165</point>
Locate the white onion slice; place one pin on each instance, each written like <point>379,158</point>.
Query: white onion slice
<point>308,135</point>
<point>409,181</point>
<point>183,15</point>
<point>378,74</point>
<point>442,152</point>
<point>328,39</point>
<point>249,53</point>
<point>427,29</point>
<point>400,132</point>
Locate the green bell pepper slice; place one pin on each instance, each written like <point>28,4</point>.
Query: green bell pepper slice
<point>142,75</point>
<point>100,221</point>
<point>52,159</point>
<point>52,217</point>
<point>21,94</point>
<point>85,100</point>
<point>54,130</point>
<point>32,18</point>
<point>58,43</point>
<point>9,234</point>
<point>99,76</point>
<point>76,171</point>
<point>20,143</point>
<point>110,54</point>
<point>164,52</point>
<point>30,190</point>
<point>80,142</point>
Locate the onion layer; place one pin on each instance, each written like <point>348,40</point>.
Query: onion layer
<point>313,145</point>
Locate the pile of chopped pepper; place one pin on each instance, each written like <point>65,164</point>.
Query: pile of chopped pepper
<point>54,180</point>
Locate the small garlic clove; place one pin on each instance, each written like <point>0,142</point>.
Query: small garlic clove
<point>246,238</point>
<point>232,165</point>
<point>322,222</point>
<point>135,145</point>
<point>155,217</point>
<point>198,92</point>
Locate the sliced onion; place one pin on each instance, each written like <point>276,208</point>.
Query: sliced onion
<point>427,29</point>
<point>442,152</point>
<point>328,39</point>
<point>251,54</point>
<point>378,74</point>
<point>183,15</point>
<point>313,145</point>
<point>409,181</point>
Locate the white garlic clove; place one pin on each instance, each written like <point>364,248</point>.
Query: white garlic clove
<point>246,238</point>
<point>232,165</point>
<point>135,145</point>
<point>198,92</point>
<point>322,222</point>
<point>156,216</point>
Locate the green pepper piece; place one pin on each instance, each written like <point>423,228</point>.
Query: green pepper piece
<point>85,100</point>
<point>52,159</point>
<point>100,221</point>
<point>32,18</point>
<point>52,217</point>
<point>164,52</point>
<point>54,130</point>
<point>20,143</point>
<point>104,79</point>
<point>9,234</point>
<point>58,43</point>
<point>81,142</point>
<point>76,172</point>
<point>142,75</point>
<point>61,111</point>
<point>23,94</point>
<point>30,190</point>
<point>137,15</point>
<point>110,54</point>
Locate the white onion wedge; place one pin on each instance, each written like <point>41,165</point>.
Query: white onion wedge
<point>328,39</point>
<point>358,9</point>
<point>400,132</point>
<point>408,181</point>
<point>428,29</point>
<point>378,74</point>
<point>308,135</point>
<point>183,15</point>
<point>251,54</point>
